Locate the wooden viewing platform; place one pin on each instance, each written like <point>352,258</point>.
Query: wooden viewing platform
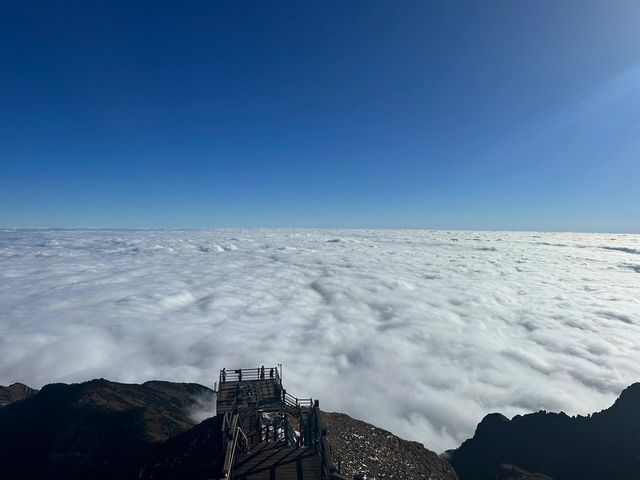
<point>242,388</point>
<point>268,433</point>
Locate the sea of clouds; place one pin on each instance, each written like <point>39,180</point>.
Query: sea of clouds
<point>420,332</point>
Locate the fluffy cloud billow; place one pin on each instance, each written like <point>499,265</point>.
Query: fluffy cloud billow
<point>421,332</point>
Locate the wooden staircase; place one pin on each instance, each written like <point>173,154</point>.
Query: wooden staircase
<point>269,461</point>
<point>270,434</point>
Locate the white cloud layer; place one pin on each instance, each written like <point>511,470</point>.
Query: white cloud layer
<point>420,332</point>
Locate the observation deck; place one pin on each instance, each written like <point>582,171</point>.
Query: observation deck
<point>268,433</point>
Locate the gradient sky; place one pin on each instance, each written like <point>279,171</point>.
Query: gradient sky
<point>471,115</point>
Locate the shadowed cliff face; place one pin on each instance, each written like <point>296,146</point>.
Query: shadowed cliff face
<point>602,445</point>
<point>97,429</point>
<point>195,454</point>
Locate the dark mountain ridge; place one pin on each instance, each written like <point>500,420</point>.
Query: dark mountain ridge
<point>604,445</point>
<point>99,428</point>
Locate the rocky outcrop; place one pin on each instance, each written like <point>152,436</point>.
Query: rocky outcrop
<point>602,445</point>
<point>368,450</point>
<point>15,392</point>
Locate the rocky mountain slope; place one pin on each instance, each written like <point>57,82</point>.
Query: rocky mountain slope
<point>15,392</point>
<point>368,450</point>
<point>97,429</point>
<point>604,445</point>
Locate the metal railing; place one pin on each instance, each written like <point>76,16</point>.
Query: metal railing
<point>330,465</point>
<point>278,431</point>
<point>242,374</point>
<point>231,440</point>
<point>291,401</point>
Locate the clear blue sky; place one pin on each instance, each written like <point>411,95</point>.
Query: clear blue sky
<point>474,115</point>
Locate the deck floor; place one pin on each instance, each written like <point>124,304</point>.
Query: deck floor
<point>248,393</point>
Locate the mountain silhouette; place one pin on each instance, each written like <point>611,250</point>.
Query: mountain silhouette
<point>98,429</point>
<point>604,445</point>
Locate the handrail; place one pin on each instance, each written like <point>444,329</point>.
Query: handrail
<point>274,432</point>
<point>245,444</point>
<point>292,401</point>
<point>230,449</point>
<point>241,374</point>
<point>290,436</point>
<point>328,464</point>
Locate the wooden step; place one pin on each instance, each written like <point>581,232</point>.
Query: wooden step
<point>268,462</point>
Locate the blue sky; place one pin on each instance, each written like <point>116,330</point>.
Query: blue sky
<point>471,115</point>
